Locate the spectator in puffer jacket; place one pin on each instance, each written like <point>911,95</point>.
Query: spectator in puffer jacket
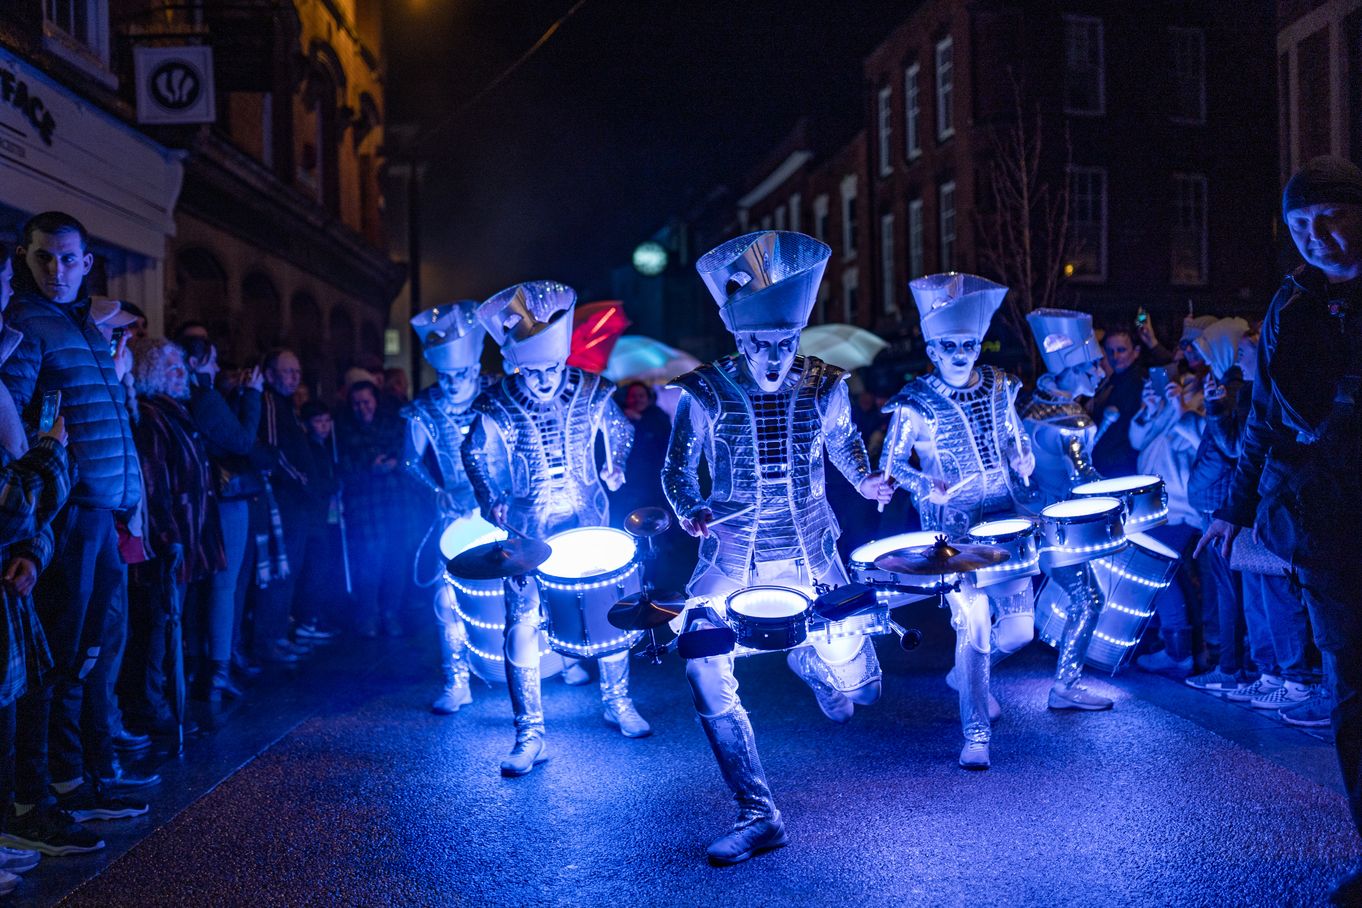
<point>80,599</point>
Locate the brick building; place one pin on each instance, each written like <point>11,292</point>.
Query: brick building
<point>1319,80</point>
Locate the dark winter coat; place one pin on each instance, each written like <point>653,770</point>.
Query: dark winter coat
<point>181,507</point>
<point>229,436</point>
<point>293,471</point>
<point>1209,482</point>
<point>62,350</point>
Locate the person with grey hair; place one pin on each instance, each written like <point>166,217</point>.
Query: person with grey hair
<point>1297,486</point>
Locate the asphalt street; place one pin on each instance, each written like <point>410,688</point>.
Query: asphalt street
<point>337,786</point>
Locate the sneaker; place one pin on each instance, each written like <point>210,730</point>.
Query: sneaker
<point>1289,694</point>
<point>126,740</point>
<point>90,802</point>
<point>1077,697</point>
<point>1164,664</point>
<point>49,830</point>
<point>1215,682</point>
<point>1245,694</point>
<point>124,778</point>
<point>17,860</point>
<point>576,675</point>
<point>313,632</point>
<point>1312,712</point>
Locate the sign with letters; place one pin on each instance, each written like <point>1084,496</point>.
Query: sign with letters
<point>175,84</point>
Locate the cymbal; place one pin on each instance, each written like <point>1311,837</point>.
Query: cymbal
<point>645,611</point>
<point>941,558</point>
<point>647,522</point>
<point>493,560</point>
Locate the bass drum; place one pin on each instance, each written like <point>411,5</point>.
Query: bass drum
<point>482,607</point>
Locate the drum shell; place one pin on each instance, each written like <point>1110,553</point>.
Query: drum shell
<point>1023,550</point>
<point>1146,504</point>
<point>1130,581</point>
<point>576,611</point>
<point>863,569</point>
<point>769,633</point>
<point>1078,539</point>
<point>481,604</point>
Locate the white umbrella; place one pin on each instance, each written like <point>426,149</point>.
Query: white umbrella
<point>639,358</point>
<point>841,345</point>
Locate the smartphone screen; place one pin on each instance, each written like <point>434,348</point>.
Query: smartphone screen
<point>114,340</point>
<point>51,407</point>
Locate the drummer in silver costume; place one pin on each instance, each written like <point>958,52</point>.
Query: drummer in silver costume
<point>531,456</point>
<point>962,423</point>
<point>437,422</point>
<point>1062,437</point>
<point>763,420</point>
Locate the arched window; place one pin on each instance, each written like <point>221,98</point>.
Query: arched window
<point>261,325</point>
<point>305,334</point>
<point>201,295</point>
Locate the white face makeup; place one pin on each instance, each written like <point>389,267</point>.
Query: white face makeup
<point>541,380</point>
<point>768,356</point>
<point>954,356</point>
<point>460,386</point>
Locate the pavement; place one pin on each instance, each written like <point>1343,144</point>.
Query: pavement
<point>337,786</point>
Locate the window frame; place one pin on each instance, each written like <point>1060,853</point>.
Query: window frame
<point>889,305</point>
<point>944,261</point>
<point>849,225</point>
<point>884,129</point>
<point>945,109</point>
<point>1104,223</point>
<point>1202,189</point>
<point>917,238</point>
<point>1175,34</point>
<point>1073,19</point>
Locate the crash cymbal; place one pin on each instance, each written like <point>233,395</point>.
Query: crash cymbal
<point>493,560</point>
<point>941,558</point>
<point>647,522</point>
<point>645,611</point>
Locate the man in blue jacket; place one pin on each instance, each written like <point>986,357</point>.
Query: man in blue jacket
<point>79,596</point>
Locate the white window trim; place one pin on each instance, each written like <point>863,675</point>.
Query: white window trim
<point>1204,227</point>
<point>91,58</point>
<point>947,189</point>
<point>796,201</point>
<point>912,111</point>
<point>1101,276</point>
<point>890,303</point>
<point>945,110</point>
<point>780,217</point>
<point>1177,32</point>
<point>884,119</point>
<point>820,217</point>
<point>851,283</point>
<point>1101,67</point>
<point>917,239</point>
<point>848,188</point>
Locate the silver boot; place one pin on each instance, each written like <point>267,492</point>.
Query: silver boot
<point>805,663</point>
<point>759,826</point>
<point>619,709</point>
<point>529,750</point>
<point>1085,601</point>
<point>972,670</point>
<point>454,658</point>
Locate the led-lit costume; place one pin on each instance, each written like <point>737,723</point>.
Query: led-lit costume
<point>763,420</point>
<point>535,431</point>
<point>961,421</point>
<point>1062,436</point>
<point>437,422</point>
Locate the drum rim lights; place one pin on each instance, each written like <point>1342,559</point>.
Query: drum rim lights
<point>766,588</point>
<point>1090,489</point>
<point>561,545</point>
<point>1106,502</point>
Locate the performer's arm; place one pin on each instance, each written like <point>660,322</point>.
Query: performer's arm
<point>619,440</point>
<point>905,428</point>
<point>479,453</point>
<point>680,469</point>
<point>414,456</point>
<point>845,447</point>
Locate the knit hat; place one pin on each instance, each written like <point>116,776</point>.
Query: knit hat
<point>1323,179</point>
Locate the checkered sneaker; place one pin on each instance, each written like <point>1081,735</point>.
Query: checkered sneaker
<point>1262,686</point>
<point>1215,682</point>
<point>1288,694</point>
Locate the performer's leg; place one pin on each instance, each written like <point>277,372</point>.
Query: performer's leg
<point>759,826</point>
<point>1014,617</point>
<point>1085,601</point>
<point>522,677</point>
<point>453,654</point>
<point>619,709</point>
<point>973,631</point>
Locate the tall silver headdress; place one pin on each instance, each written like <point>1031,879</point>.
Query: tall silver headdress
<point>450,335</point>
<point>1065,338</point>
<point>765,281</point>
<point>955,303</point>
<point>531,322</point>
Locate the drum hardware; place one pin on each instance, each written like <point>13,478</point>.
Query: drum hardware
<point>648,609</point>
<point>705,635</point>
<point>1144,495</point>
<point>767,617</point>
<point>1018,535</point>
<point>499,560</point>
<point>941,558</point>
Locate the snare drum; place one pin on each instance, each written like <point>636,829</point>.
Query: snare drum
<point>1129,580</point>
<point>588,571</point>
<point>862,568</point>
<point>1018,536</point>
<point>481,605</point>
<point>1080,530</point>
<point>1145,496</point>
<point>769,617</point>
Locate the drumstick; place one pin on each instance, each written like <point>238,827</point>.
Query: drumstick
<point>718,520</point>
<point>896,429</point>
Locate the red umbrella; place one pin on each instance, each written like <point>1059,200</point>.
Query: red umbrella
<point>595,328</point>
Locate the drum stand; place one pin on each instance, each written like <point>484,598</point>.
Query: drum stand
<point>648,609</point>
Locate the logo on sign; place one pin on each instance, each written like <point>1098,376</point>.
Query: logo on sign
<point>175,85</point>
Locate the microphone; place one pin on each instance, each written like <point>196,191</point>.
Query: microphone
<point>1109,417</point>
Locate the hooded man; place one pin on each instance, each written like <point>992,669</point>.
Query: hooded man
<point>763,420</point>
<point>1298,481</point>
<point>531,457</point>
<point>962,423</point>
<point>1061,440</point>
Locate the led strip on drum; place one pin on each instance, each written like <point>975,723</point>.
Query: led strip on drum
<point>1112,546</point>
<point>582,586</point>
<point>591,649</point>
<point>1143,581</point>
<point>1149,518</point>
<point>1011,565</point>
<point>470,591</point>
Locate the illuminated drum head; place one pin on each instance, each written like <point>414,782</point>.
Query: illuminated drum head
<point>1117,485</point>
<point>995,529</point>
<point>1080,508</point>
<point>588,552</point>
<point>768,602</point>
<point>1150,544</point>
<point>867,553</point>
<point>466,533</point>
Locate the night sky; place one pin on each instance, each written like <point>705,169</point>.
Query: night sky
<point>633,109</point>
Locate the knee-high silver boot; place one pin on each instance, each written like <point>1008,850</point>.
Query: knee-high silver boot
<point>619,709</point>
<point>805,663</point>
<point>453,659</point>
<point>759,826</point>
<point>972,670</point>
<point>1085,601</point>
<point>529,750</point>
